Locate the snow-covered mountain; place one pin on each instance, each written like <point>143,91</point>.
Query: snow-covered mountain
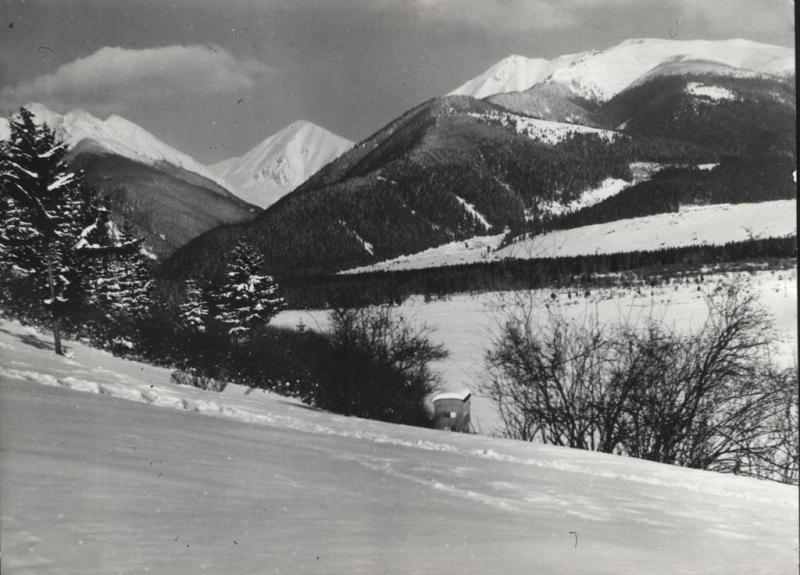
<point>115,135</point>
<point>600,75</point>
<point>281,162</point>
<point>164,195</point>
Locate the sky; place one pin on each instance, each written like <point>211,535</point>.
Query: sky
<point>213,78</point>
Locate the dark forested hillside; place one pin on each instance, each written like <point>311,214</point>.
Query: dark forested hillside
<point>550,101</point>
<point>446,170</point>
<point>737,115</point>
<point>164,205</point>
<point>735,180</point>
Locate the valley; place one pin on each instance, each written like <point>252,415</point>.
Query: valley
<point>228,361</point>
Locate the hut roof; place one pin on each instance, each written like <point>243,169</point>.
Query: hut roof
<point>463,395</point>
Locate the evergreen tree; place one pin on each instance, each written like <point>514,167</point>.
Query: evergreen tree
<point>194,310</point>
<point>49,216</point>
<point>246,298</point>
<point>120,281</point>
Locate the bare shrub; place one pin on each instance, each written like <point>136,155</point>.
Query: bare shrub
<point>710,399</point>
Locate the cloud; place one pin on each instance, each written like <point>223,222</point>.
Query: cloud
<point>113,77</point>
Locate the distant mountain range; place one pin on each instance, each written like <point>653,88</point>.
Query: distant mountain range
<point>531,145</point>
<point>280,163</point>
<point>166,196</point>
<point>162,194</point>
<point>455,168</point>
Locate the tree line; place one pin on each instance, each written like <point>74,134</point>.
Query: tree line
<point>585,272</point>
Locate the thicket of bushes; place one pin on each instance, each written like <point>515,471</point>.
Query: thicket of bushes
<point>708,398</point>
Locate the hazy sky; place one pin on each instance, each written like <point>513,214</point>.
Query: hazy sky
<point>214,77</point>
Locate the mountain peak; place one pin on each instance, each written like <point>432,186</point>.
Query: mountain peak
<point>281,162</point>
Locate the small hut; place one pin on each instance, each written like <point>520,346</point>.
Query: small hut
<point>451,410</point>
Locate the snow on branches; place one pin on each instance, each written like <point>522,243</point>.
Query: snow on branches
<point>54,232</point>
<point>246,297</point>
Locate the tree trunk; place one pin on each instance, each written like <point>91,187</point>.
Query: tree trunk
<point>56,320</point>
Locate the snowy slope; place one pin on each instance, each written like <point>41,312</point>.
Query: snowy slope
<point>607,188</point>
<point>117,136</point>
<point>692,225</point>
<point>600,75</point>
<point>472,250</point>
<point>514,74</point>
<point>280,163</point>
<point>546,131</point>
<point>252,483</point>
<point>692,68</point>
<point>611,71</point>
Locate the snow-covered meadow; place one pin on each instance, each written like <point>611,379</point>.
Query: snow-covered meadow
<point>464,323</point>
<point>142,476</point>
<point>714,224</point>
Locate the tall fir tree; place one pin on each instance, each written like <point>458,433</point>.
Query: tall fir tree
<point>247,298</point>
<point>194,310</point>
<point>48,215</point>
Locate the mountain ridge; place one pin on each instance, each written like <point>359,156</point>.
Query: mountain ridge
<point>601,74</point>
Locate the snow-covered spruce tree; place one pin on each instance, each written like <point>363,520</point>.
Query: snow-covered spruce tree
<point>246,298</point>
<point>120,282</point>
<point>194,310</point>
<point>51,214</point>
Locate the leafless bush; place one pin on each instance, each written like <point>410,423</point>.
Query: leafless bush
<point>711,399</point>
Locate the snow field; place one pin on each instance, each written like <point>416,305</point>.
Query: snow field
<point>714,224</point>
<point>692,225</point>
<point>466,323</point>
<point>95,483</point>
<point>714,93</point>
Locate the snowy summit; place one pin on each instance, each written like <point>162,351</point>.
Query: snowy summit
<point>281,162</point>
<point>600,75</point>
